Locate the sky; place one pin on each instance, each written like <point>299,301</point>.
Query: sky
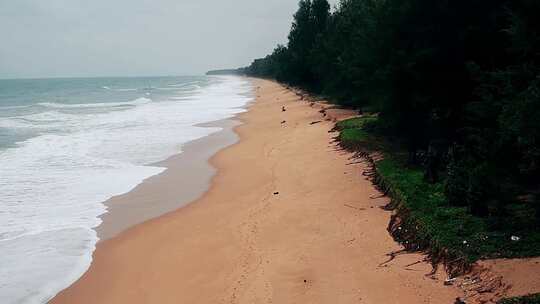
<point>88,38</point>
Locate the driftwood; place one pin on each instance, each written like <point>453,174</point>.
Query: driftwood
<point>392,256</point>
<point>353,207</point>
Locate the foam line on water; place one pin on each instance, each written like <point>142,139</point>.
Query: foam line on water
<point>138,101</point>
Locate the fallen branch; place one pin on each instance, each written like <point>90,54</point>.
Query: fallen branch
<point>354,207</point>
<point>415,263</point>
<point>392,256</point>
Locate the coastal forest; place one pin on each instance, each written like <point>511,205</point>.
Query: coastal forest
<point>452,89</point>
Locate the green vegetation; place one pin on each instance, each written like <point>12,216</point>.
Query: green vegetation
<point>455,86</point>
<point>532,299</point>
<point>353,133</point>
<point>428,220</point>
<point>224,72</point>
<point>353,137</point>
<point>356,123</point>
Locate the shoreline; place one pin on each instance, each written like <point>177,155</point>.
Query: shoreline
<point>191,167</point>
<point>267,229</point>
<point>142,149</point>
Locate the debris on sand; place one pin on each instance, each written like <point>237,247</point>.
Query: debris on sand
<point>449,282</point>
<point>459,301</point>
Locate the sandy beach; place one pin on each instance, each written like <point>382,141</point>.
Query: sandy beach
<point>243,152</point>
<point>287,219</point>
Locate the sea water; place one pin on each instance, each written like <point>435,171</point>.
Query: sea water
<point>67,145</point>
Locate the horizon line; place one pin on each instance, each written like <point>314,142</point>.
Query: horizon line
<point>95,77</point>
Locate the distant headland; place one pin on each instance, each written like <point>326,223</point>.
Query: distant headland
<point>239,71</point>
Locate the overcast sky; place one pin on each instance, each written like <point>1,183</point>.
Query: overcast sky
<point>67,38</point>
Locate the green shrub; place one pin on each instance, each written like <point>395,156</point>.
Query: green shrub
<point>355,123</point>
<point>436,223</point>
<point>352,137</point>
<point>530,299</point>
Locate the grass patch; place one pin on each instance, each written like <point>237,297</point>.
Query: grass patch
<point>354,133</point>
<point>355,123</point>
<point>531,299</point>
<point>430,223</point>
<point>350,138</point>
<point>425,221</point>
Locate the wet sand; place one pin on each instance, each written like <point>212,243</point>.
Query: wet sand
<point>186,178</point>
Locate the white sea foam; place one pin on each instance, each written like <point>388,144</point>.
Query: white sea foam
<point>135,102</point>
<point>38,121</point>
<point>167,89</point>
<point>53,185</point>
<point>183,84</point>
<point>13,107</point>
<point>126,90</point>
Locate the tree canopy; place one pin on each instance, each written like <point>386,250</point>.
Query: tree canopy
<point>457,81</point>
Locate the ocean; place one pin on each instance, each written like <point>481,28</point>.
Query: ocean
<point>68,145</point>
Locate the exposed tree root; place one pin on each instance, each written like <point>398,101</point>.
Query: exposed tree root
<point>402,226</point>
<point>392,256</point>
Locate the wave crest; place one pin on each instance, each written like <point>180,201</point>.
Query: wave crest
<point>136,102</point>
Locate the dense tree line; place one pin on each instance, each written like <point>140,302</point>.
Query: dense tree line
<point>457,82</point>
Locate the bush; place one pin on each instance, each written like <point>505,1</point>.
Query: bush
<point>530,299</point>
<point>431,221</point>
